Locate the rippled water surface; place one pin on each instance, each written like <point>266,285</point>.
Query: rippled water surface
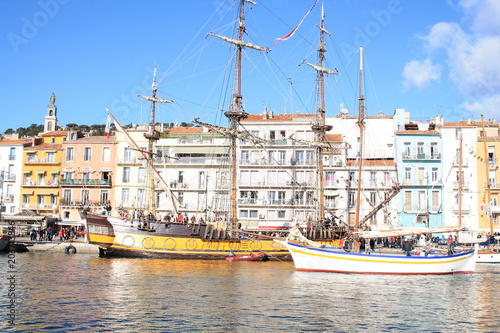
<point>65,293</point>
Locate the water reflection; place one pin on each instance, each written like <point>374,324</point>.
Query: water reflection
<point>82,292</point>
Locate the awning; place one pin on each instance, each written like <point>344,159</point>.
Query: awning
<point>26,171</point>
<point>331,193</point>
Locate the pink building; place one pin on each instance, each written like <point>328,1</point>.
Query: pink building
<point>88,166</point>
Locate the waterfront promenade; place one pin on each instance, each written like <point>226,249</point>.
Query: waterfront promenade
<point>79,245</point>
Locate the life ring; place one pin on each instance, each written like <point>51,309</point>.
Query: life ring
<point>122,215</point>
<point>128,216</point>
<point>189,226</point>
<point>70,249</point>
<point>167,225</point>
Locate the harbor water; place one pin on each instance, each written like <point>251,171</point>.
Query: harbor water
<point>57,292</point>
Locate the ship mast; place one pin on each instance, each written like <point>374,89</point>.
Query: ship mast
<point>460,181</point>
<point>488,185</point>
<point>236,112</point>
<point>152,137</point>
<point>319,127</point>
<point>359,158</point>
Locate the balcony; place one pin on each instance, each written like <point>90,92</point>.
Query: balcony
<point>39,206</point>
<point>85,182</point>
<point>420,156</point>
<point>50,183</point>
<point>41,161</point>
<point>9,178</point>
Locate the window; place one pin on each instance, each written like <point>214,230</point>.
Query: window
<point>86,177</point>
<point>12,154</point>
<point>31,157</point>
<point>85,197</point>
<point>140,197</point>
<point>420,150</point>
<point>87,154</point>
<point>408,201</point>
<point>373,178</point>
<point>310,158</point>
<point>142,175</point>
<point>351,199</point>
<point>201,179</point>
<point>458,133</point>
<point>387,179</point>
<point>125,196</point>
<point>421,175</point>
<point>271,197</point>
<point>40,200</point>
<point>422,201</point>
<point>299,157</point>
<point>282,156</point>
<point>435,201</point>
<point>69,154</point>
<point>407,149</point>
<point>104,197</point>
<point>281,214</point>
<point>434,150</point>
<point>126,174</point>
<point>243,213</point>
<point>106,154</point>
<point>281,197</point>
<point>254,214</point>
<point>50,157</point>
<point>127,154</point>
<point>373,198</point>
<point>67,196</point>
<point>245,157</point>
<point>330,178</point>
<point>434,174</point>
<point>491,156</point>
<point>492,177</point>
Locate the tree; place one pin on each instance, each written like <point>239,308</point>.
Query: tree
<point>71,125</point>
<point>9,131</point>
<point>84,128</point>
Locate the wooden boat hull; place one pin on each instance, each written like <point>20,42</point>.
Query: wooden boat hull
<point>118,238</point>
<point>329,259</point>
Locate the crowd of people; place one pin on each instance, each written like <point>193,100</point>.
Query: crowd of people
<point>51,234</point>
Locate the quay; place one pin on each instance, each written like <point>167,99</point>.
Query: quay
<point>56,246</point>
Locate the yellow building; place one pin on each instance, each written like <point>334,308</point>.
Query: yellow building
<point>40,173</point>
<point>488,180</point>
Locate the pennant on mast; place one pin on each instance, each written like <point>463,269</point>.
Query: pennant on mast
<point>291,33</point>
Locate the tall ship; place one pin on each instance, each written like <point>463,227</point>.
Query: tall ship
<point>139,233</point>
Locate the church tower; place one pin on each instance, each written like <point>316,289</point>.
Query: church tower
<point>51,116</point>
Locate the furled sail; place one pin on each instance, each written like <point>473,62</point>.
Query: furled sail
<point>320,69</point>
<point>241,43</point>
<point>156,99</point>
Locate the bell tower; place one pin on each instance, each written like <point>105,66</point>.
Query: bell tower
<point>51,116</point>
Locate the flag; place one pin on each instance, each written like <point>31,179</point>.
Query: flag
<point>290,34</point>
<point>108,125</point>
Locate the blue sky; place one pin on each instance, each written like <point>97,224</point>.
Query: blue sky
<point>429,57</point>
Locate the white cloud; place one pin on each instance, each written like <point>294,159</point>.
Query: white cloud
<point>486,106</point>
<point>483,15</point>
<point>420,74</point>
<point>471,57</point>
